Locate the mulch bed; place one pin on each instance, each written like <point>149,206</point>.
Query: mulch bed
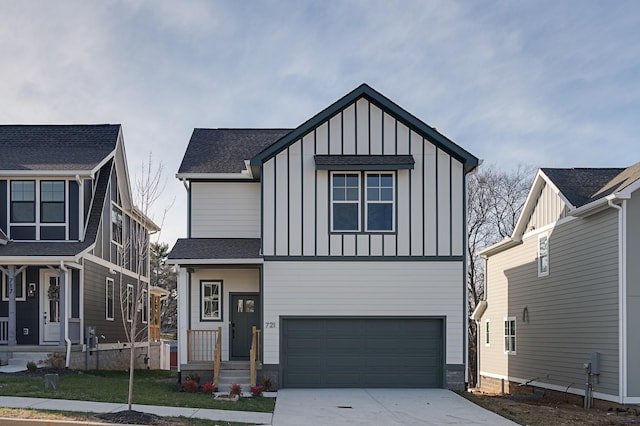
<point>131,417</point>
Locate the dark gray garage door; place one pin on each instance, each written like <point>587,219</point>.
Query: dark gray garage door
<point>362,352</point>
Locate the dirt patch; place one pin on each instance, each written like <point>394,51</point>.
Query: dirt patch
<point>542,410</point>
<point>131,417</point>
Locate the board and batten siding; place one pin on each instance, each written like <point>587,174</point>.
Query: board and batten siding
<point>633,295</point>
<point>233,281</point>
<point>561,318</point>
<point>550,208</point>
<point>351,289</point>
<point>225,209</point>
<point>296,196</point>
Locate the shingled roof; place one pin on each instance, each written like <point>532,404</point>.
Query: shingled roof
<point>215,248</point>
<point>225,150</point>
<point>582,185</point>
<point>56,147</point>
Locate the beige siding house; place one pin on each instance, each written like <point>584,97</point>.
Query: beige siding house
<point>341,241</point>
<point>560,293</point>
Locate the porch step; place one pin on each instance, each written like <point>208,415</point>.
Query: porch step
<point>234,365</point>
<point>232,372</point>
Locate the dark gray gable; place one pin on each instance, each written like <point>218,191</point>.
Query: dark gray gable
<point>56,147</point>
<point>581,185</point>
<point>216,248</point>
<point>225,150</point>
<point>364,91</point>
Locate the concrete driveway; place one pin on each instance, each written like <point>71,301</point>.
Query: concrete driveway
<point>334,407</point>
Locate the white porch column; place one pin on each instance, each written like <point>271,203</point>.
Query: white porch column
<point>183,314</point>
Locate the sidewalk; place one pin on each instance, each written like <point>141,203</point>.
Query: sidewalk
<point>109,407</point>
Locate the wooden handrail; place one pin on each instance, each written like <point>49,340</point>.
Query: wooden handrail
<point>217,358</point>
<point>254,353</point>
<point>202,344</point>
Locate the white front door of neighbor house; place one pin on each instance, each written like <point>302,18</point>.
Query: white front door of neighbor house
<point>50,306</point>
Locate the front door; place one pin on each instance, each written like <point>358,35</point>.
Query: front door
<point>244,315</point>
<point>50,307</point>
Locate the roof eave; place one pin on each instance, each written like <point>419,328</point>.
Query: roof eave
<point>501,246</point>
<point>593,207</point>
<point>196,262</point>
<point>69,173</point>
<point>244,175</point>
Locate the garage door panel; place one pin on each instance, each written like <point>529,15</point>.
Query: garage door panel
<point>356,352</point>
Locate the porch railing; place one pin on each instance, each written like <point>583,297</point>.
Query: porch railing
<point>4,330</point>
<point>254,353</point>
<point>202,345</point>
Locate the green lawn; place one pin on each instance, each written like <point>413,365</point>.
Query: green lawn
<point>151,387</point>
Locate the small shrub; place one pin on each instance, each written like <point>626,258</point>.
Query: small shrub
<point>32,367</point>
<point>266,384</point>
<point>190,386</point>
<point>193,377</point>
<point>257,390</point>
<point>209,388</point>
<point>56,360</point>
<point>236,389</point>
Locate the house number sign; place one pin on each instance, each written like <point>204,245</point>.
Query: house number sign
<point>270,324</point>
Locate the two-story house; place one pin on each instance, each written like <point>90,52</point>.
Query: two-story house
<point>560,311</point>
<point>68,238</point>
<point>342,240</point>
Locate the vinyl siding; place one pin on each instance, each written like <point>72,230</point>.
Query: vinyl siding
<point>549,209</point>
<point>233,281</point>
<point>370,289</point>
<point>225,210</point>
<point>296,196</point>
<point>633,295</point>
<point>571,313</point>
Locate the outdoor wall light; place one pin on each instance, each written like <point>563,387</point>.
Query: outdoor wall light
<point>32,290</point>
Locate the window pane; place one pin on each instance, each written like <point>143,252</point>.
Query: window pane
<point>339,180</point>
<point>386,180</point>
<point>251,305</point>
<point>386,194</point>
<point>380,217</point>
<point>52,212</point>
<point>240,307</point>
<point>373,194</point>
<point>339,194</point>
<point>23,212</point>
<point>373,180</point>
<point>345,217</point>
<point>23,190</point>
<point>52,191</point>
<point>352,194</point>
<point>352,180</point>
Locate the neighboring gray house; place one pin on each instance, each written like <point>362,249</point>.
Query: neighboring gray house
<point>66,215</point>
<point>342,240</point>
<point>566,286</point>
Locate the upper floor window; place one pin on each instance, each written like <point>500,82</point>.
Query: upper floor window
<point>23,201</point>
<point>543,255</point>
<point>116,224</point>
<point>52,201</point>
<point>347,211</point>
<point>130,302</point>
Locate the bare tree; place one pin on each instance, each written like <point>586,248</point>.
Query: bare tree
<point>495,199</point>
<point>148,188</point>
<point>164,276</point>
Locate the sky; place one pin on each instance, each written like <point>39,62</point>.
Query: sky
<point>543,83</point>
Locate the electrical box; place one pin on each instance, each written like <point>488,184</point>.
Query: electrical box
<point>595,363</point>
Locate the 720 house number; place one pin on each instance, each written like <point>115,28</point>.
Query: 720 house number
<point>269,324</point>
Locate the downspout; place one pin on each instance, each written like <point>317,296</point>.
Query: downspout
<point>622,294</point>
<point>66,321</point>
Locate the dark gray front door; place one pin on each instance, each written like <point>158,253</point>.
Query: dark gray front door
<point>362,352</point>
<point>244,315</point>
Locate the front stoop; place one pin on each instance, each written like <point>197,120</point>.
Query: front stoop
<point>18,361</point>
<point>234,372</point>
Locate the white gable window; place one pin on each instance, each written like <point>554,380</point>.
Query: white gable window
<point>345,201</point>
<point>52,201</point>
<point>23,201</point>
<point>380,202</point>
<point>510,335</point>
<point>210,308</point>
<point>543,255</point>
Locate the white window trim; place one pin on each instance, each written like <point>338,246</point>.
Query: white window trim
<point>392,202</point>
<point>130,303</point>
<point>109,281</point>
<point>487,332</point>
<point>5,283</point>
<point>119,244</point>
<point>332,201</point>
<point>219,284</point>
<point>38,204</point>
<point>542,273</point>
<point>145,307</point>
<point>515,335</point>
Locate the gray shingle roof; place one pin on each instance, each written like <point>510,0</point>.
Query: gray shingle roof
<point>224,150</point>
<point>582,185</point>
<point>216,248</point>
<point>56,147</point>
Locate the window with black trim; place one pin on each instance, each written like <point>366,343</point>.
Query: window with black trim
<point>23,201</point>
<point>145,307</point>
<point>20,285</point>
<point>52,201</point>
<point>130,297</point>
<point>109,308</point>
<point>378,209</point>
<point>210,306</point>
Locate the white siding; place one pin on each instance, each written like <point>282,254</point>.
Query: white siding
<point>354,288</point>
<point>225,210</point>
<point>444,208</point>
<point>281,205</point>
<point>549,209</point>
